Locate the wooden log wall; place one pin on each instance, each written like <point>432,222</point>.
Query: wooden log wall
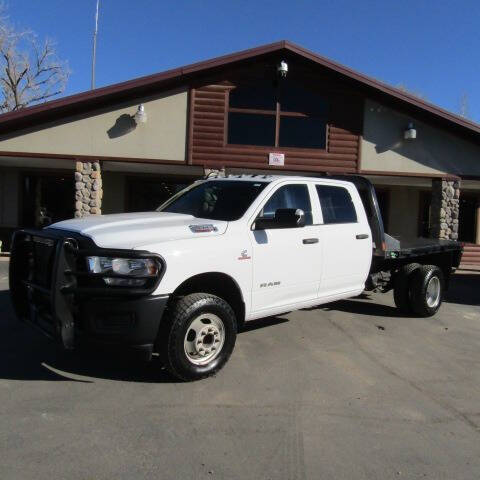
<point>208,137</point>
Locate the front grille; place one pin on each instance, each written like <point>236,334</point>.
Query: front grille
<point>42,251</point>
<point>40,266</point>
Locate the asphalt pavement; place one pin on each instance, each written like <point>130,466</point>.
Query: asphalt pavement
<point>350,390</point>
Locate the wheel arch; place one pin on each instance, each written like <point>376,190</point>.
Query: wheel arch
<point>216,283</point>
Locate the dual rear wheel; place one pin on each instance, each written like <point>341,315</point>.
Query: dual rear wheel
<point>419,289</point>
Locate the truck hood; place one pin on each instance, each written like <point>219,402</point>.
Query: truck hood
<point>132,230</point>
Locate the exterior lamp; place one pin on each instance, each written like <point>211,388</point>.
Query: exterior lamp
<point>410,132</point>
<point>140,115</point>
<point>282,68</point>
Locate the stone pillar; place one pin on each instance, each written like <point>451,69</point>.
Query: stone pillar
<point>445,208</point>
<point>88,189</point>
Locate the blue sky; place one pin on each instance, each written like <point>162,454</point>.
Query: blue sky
<point>430,46</point>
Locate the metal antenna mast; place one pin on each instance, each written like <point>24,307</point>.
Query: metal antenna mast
<point>95,46</point>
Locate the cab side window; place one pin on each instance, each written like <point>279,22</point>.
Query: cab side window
<point>337,205</point>
<point>289,196</point>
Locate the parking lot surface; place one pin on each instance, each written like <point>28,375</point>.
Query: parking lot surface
<point>350,390</point>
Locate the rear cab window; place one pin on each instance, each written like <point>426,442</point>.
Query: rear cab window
<point>336,204</point>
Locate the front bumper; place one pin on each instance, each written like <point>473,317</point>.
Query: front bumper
<point>129,322</point>
<point>51,290</point>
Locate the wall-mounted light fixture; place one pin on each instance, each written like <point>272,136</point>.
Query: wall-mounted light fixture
<point>140,115</point>
<point>410,132</point>
<point>282,68</point>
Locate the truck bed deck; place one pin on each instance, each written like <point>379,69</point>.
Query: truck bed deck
<point>404,247</point>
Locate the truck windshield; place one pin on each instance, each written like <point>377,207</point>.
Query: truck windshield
<point>215,199</point>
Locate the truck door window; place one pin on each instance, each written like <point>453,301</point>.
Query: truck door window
<point>289,196</point>
<point>337,205</point>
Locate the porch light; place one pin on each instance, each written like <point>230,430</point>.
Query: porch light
<point>140,115</point>
<point>410,132</point>
<point>282,68</point>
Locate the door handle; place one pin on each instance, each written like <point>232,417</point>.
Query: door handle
<point>308,241</point>
<point>361,236</point>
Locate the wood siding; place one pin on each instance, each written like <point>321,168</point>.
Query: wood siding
<point>208,137</point>
<point>471,255</point>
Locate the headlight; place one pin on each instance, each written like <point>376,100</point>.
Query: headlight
<point>133,267</point>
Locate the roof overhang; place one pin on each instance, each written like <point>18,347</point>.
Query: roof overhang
<point>106,96</point>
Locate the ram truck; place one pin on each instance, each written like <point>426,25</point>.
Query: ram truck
<point>182,280</point>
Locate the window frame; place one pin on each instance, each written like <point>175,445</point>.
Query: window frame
<point>278,113</point>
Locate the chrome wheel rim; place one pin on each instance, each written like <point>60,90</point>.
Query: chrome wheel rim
<point>433,292</point>
<point>204,339</point>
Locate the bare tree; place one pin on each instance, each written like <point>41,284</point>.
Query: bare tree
<point>30,72</point>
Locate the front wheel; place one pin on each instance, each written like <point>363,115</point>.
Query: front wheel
<point>198,336</point>
<point>427,290</point>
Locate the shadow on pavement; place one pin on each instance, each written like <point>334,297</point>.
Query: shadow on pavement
<point>364,308</point>
<point>26,354</point>
<point>464,289</point>
<point>262,323</point>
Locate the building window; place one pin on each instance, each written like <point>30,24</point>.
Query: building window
<point>277,115</point>
<point>336,204</point>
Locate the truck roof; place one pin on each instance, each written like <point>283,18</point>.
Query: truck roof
<point>273,178</point>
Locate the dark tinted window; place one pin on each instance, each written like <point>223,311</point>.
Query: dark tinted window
<point>216,199</point>
<point>337,205</point>
<point>289,196</point>
<point>297,99</point>
<point>248,129</point>
<point>303,132</point>
<point>145,194</point>
<point>262,97</point>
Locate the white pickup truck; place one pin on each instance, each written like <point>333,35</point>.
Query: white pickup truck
<point>183,279</point>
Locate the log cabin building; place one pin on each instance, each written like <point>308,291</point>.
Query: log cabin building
<point>273,109</point>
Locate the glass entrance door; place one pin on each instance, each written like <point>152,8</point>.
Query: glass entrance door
<point>47,198</point>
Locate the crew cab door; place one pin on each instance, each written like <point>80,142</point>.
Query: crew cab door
<point>347,240</point>
<point>286,261</point>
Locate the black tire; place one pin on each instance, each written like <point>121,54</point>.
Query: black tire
<point>401,287</point>
<point>422,303</point>
<point>176,325</point>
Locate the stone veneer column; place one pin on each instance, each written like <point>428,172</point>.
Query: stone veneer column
<point>445,209</point>
<point>88,189</point>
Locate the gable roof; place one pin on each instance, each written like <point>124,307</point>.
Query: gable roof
<point>108,95</point>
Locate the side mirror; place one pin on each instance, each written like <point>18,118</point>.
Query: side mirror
<point>284,218</point>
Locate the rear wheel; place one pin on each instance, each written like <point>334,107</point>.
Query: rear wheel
<point>198,336</point>
<point>427,290</point>
<point>401,287</point>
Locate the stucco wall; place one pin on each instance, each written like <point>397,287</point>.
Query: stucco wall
<point>403,211</point>
<point>9,198</point>
<point>113,133</point>
<point>433,151</point>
